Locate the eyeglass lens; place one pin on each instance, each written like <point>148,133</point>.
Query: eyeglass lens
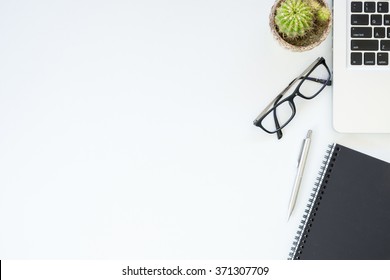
<point>315,82</point>
<point>284,113</point>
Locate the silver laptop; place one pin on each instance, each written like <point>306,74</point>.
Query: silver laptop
<point>361,66</point>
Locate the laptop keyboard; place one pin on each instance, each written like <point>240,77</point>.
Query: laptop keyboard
<point>370,33</point>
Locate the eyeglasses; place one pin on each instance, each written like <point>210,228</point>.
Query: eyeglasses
<point>281,110</point>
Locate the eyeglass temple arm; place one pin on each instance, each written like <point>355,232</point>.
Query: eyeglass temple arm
<point>321,81</point>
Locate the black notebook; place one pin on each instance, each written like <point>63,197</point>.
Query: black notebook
<point>348,216</point>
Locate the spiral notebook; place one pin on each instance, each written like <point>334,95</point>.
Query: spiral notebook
<point>348,215</point>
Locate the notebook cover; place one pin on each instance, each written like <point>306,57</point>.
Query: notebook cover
<point>349,215</point>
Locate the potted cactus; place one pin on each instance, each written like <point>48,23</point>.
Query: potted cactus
<point>300,25</point>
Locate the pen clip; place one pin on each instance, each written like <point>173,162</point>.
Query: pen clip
<point>308,137</point>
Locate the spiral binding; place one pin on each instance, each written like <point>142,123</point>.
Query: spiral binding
<point>312,207</point>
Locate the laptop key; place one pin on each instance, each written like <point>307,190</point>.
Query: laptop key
<point>364,45</point>
<point>369,58</point>
<point>383,7</point>
<point>361,32</point>
<point>388,32</point>
<point>369,7</point>
<point>376,19</point>
<point>385,45</point>
<point>356,58</point>
<point>356,7</point>
<point>359,19</point>
<point>379,32</point>
<point>386,20</point>
<point>382,58</point>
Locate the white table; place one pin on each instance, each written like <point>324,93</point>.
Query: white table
<point>126,131</point>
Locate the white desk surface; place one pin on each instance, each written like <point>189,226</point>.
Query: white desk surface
<point>126,131</point>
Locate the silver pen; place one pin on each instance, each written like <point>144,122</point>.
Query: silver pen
<point>301,168</point>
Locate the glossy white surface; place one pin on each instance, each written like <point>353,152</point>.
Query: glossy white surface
<point>126,131</point>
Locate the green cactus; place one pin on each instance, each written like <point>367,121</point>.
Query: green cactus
<point>314,4</point>
<point>323,14</point>
<point>294,18</point>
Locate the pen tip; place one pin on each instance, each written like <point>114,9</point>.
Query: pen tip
<point>309,133</point>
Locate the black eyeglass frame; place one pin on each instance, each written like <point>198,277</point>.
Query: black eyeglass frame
<point>277,101</point>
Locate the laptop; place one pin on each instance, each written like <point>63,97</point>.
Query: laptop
<point>361,66</point>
